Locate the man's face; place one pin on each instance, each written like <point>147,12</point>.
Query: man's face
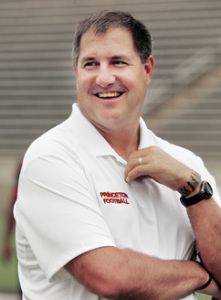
<point>111,79</point>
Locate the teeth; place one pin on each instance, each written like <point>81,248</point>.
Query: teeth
<point>108,95</point>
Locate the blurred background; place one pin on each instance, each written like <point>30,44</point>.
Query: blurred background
<point>37,84</point>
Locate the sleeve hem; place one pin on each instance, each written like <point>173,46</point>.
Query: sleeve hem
<point>57,270</point>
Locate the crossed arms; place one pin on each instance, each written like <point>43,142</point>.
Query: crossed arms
<point>125,274</point>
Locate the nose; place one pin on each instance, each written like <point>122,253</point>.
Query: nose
<point>105,77</point>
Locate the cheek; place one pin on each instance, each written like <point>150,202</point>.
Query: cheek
<point>141,89</point>
<point>143,80</point>
<point>84,80</point>
<point>135,77</point>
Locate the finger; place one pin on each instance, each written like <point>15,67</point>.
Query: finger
<point>137,172</point>
<point>133,163</point>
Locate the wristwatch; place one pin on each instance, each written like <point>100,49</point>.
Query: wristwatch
<point>205,192</point>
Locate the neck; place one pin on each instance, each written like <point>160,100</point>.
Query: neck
<point>123,141</point>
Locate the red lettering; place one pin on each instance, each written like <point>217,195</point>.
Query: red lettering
<point>114,197</point>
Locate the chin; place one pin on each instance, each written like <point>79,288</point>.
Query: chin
<point>111,116</point>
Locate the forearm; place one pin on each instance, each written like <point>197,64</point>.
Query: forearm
<point>125,274</point>
<point>162,279</point>
<point>205,218</point>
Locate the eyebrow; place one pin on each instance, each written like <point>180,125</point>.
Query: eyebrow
<point>91,58</point>
<point>87,58</point>
<point>119,57</point>
<point>122,56</point>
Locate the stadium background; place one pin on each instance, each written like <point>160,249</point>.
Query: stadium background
<point>37,84</point>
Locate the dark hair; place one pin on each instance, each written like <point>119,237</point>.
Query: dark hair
<point>102,21</point>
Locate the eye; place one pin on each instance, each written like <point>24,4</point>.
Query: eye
<point>119,63</point>
<point>90,64</point>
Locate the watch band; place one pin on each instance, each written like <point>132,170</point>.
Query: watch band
<point>205,192</point>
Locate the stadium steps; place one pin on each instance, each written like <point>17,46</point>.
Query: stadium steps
<point>37,84</point>
<point>192,118</point>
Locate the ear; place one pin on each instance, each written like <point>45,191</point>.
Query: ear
<point>148,67</point>
<point>75,70</point>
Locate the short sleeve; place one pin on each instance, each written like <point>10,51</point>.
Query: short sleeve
<point>58,212</point>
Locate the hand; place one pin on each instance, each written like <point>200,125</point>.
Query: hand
<point>158,165</point>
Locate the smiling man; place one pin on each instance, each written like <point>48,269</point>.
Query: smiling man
<point>112,81</point>
<point>105,208</point>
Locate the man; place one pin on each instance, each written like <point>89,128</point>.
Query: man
<point>7,249</point>
<point>10,221</point>
<point>99,212</point>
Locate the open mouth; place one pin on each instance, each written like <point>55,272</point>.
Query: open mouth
<point>109,95</point>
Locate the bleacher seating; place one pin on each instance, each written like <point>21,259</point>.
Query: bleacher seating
<point>192,118</point>
<point>37,84</point>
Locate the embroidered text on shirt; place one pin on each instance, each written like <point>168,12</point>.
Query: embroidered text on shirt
<point>117,197</point>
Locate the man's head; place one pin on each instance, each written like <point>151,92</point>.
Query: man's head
<point>113,67</point>
<point>105,20</point>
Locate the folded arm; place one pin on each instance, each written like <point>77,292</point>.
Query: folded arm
<point>125,274</point>
<point>205,216</point>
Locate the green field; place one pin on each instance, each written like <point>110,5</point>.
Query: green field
<point>204,297</point>
<point>8,270</point>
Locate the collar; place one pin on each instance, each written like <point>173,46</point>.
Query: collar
<point>146,139</point>
<point>90,137</point>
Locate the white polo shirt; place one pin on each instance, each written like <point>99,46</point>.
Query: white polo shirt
<point>73,198</point>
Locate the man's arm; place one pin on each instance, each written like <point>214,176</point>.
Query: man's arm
<point>125,274</point>
<point>205,216</point>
